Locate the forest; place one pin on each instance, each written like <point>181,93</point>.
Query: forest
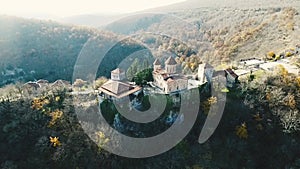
<point>258,127</point>
<point>31,49</point>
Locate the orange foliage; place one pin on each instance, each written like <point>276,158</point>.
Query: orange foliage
<point>298,81</point>
<point>268,96</point>
<point>55,115</point>
<point>290,101</point>
<point>271,54</point>
<point>38,103</point>
<point>241,131</point>
<point>55,141</point>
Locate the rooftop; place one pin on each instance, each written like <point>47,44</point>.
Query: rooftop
<point>252,62</point>
<point>231,72</point>
<point>118,70</point>
<point>171,61</point>
<point>156,62</point>
<point>118,89</point>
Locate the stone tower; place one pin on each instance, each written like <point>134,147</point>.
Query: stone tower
<point>170,65</point>
<point>118,74</point>
<point>156,65</point>
<point>205,72</point>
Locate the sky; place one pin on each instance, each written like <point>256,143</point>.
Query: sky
<point>65,8</point>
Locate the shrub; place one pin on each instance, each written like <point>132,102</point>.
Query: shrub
<point>241,131</point>
<point>271,55</point>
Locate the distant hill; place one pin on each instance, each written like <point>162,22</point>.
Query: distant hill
<point>34,49</point>
<point>220,31</point>
<point>93,20</point>
<point>134,23</point>
<point>241,4</point>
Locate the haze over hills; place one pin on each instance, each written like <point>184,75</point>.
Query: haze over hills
<point>99,20</point>
<point>194,4</point>
<point>217,34</point>
<point>93,20</point>
<point>34,49</point>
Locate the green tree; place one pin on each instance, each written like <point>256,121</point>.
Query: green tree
<point>143,77</point>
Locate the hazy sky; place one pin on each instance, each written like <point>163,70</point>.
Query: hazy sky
<point>62,8</point>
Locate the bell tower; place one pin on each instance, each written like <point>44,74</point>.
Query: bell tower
<point>170,65</point>
<point>118,75</point>
<point>156,65</point>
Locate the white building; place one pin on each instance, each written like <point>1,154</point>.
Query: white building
<point>251,63</point>
<point>117,74</point>
<point>116,87</point>
<point>205,72</point>
<point>167,79</point>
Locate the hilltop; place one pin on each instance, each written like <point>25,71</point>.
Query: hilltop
<point>241,4</point>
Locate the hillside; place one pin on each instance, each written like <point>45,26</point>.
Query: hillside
<point>56,126</point>
<point>220,32</point>
<point>33,49</point>
<point>241,4</point>
<point>251,134</point>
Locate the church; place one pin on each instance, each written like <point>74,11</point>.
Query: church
<point>168,79</point>
<point>117,87</point>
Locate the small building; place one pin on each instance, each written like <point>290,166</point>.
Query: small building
<point>168,79</point>
<point>116,88</point>
<point>251,63</point>
<point>219,79</point>
<point>226,78</point>
<point>118,74</point>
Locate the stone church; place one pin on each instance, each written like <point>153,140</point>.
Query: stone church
<point>167,78</point>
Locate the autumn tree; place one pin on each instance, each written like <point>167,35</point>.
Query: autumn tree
<point>99,82</point>
<point>276,95</point>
